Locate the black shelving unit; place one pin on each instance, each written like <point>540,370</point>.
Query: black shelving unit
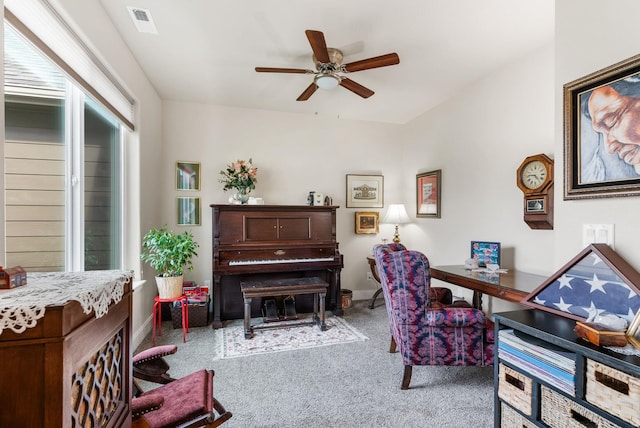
<point>557,331</point>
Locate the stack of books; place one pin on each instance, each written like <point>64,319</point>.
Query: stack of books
<point>550,364</point>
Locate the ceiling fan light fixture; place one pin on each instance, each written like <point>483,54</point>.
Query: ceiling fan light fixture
<point>326,81</point>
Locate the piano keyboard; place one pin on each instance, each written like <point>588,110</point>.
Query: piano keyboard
<point>274,261</point>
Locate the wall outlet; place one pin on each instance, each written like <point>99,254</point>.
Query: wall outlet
<point>207,283</point>
<point>369,276</point>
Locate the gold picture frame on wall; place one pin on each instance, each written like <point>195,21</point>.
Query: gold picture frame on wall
<point>428,194</point>
<point>188,211</point>
<point>367,222</point>
<point>600,157</point>
<point>187,175</point>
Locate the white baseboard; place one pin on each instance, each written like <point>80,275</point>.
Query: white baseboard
<point>142,332</point>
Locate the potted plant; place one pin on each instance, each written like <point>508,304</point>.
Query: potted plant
<point>169,254</point>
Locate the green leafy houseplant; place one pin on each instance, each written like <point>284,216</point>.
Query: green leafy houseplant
<point>167,252</point>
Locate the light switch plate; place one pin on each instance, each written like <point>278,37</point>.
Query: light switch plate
<point>597,234</point>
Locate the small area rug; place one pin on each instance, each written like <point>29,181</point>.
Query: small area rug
<point>281,336</point>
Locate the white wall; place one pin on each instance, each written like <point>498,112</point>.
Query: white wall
<point>478,139</point>
<point>294,154</point>
<point>592,35</point>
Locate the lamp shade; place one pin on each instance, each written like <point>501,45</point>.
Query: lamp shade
<point>326,81</point>
<point>396,214</point>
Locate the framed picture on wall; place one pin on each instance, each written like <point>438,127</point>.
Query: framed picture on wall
<point>365,191</point>
<point>367,222</point>
<point>188,175</point>
<point>602,152</point>
<point>428,192</point>
<point>188,211</point>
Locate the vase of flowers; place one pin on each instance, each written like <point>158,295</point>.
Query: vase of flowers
<point>240,176</point>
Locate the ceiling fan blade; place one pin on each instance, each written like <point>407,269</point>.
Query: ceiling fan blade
<point>282,70</point>
<point>356,88</point>
<point>318,45</point>
<point>375,62</point>
<point>304,96</point>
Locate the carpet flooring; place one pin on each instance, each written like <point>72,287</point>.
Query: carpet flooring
<point>350,385</point>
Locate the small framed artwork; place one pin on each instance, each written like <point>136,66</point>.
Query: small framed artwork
<point>188,175</point>
<point>633,332</point>
<point>365,191</point>
<point>602,158</point>
<point>188,211</point>
<point>485,252</point>
<point>428,192</point>
<point>367,222</point>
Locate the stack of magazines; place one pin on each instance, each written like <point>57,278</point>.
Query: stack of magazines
<point>547,362</point>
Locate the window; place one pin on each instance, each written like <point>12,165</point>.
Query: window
<point>63,178</point>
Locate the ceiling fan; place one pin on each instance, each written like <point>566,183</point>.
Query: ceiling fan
<point>329,68</point>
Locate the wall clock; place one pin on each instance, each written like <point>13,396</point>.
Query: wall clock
<point>535,179</point>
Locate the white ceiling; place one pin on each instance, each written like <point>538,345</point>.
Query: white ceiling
<point>206,50</point>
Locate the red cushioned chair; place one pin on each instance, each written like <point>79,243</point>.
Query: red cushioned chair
<point>184,402</point>
<point>425,326</point>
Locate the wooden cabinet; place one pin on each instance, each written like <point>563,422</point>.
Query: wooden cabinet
<point>545,376</point>
<point>70,370</point>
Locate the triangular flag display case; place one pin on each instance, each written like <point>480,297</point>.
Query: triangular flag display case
<point>596,281</point>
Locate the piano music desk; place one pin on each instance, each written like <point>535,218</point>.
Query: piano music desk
<point>281,287</point>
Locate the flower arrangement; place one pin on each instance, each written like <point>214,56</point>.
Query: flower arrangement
<point>240,175</point>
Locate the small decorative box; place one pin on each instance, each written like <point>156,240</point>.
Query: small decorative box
<point>12,277</point>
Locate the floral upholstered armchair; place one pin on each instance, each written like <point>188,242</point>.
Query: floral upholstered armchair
<point>425,326</point>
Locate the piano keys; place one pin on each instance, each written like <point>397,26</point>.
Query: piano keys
<point>260,242</point>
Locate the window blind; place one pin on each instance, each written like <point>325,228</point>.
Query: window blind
<point>39,22</point>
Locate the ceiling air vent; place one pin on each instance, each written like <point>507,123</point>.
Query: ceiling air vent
<point>143,20</point>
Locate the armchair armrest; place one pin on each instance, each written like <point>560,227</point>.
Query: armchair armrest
<point>150,365</point>
<point>145,404</point>
<point>455,317</point>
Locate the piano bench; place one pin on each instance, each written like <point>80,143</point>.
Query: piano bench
<point>288,287</point>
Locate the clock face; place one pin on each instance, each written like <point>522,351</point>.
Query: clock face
<point>533,174</point>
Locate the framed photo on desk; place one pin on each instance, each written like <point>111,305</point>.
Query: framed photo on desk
<point>485,252</point>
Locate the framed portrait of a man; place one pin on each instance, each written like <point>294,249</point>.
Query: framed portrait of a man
<point>602,145</point>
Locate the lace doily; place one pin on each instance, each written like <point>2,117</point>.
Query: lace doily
<point>21,307</point>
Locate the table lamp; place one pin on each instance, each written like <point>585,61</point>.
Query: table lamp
<point>396,214</point>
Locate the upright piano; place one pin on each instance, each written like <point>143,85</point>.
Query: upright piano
<point>254,242</point>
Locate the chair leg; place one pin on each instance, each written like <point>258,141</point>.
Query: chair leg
<point>223,415</point>
<point>407,377</point>
<point>392,346</point>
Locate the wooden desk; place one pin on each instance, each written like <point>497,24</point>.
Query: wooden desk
<point>512,286</point>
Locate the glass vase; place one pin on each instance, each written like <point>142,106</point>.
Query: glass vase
<point>243,197</point>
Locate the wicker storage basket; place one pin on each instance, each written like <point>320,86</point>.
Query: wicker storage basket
<point>613,391</point>
<point>514,388</point>
<point>198,315</point>
<point>509,418</point>
<point>169,286</point>
<point>560,412</point>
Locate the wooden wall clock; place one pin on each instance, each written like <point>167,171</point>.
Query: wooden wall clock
<point>535,179</point>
